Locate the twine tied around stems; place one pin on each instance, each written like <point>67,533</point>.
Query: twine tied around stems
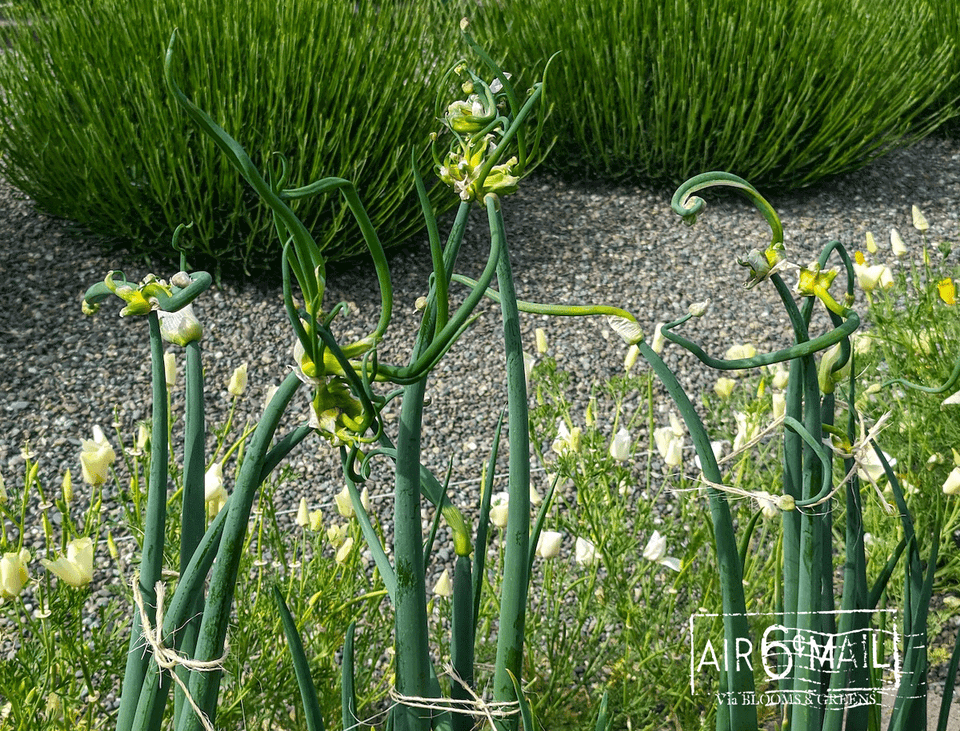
<point>168,658</point>
<point>474,706</point>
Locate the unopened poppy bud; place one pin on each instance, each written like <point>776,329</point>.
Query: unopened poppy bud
<point>444,586</point>
<point>421,304</point>
<point>589,419</point>
<point>633,352</point>
<point>919,220</point>
<point>170,369</point>
<point>541,338</point>
<point>112,547</point>
<point>238,381</point>
<point>67,487</point>
<point>896,243</point>
<point>303,515</point>
<point>659,341</point>
<point>143,434</point>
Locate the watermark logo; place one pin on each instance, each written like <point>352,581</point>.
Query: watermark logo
<point>805,665</point>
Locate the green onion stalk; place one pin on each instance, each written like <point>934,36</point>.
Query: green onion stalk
<point>811,443</point>
<point>488,150</point>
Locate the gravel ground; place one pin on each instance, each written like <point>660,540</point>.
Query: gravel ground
<point>61,372</point>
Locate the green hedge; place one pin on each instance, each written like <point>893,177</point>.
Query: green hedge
<point>340,88</point>
<point>782,92</point>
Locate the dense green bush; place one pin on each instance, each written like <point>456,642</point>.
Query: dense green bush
<point>948,26</point>
<point>779,92</point>
<point>340,88</point>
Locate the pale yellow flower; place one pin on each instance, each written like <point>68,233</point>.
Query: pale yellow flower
<point>656,552</point>
<point>585,553</point>
<point>96,457</point>
<point>951,485</point>
<point>343,553</point>
<point>738,352</point>
<point>724,387</point>
<point>214,494</point>
<point>76,568</point>
<point>548,544</point>
<point>13,573</point>
<point>620,445</point>
<point>499,509</point>
<point>567,439</point>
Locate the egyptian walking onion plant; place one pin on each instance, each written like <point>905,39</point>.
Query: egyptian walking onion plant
<point>482,152</point>
<point>819,430</point>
